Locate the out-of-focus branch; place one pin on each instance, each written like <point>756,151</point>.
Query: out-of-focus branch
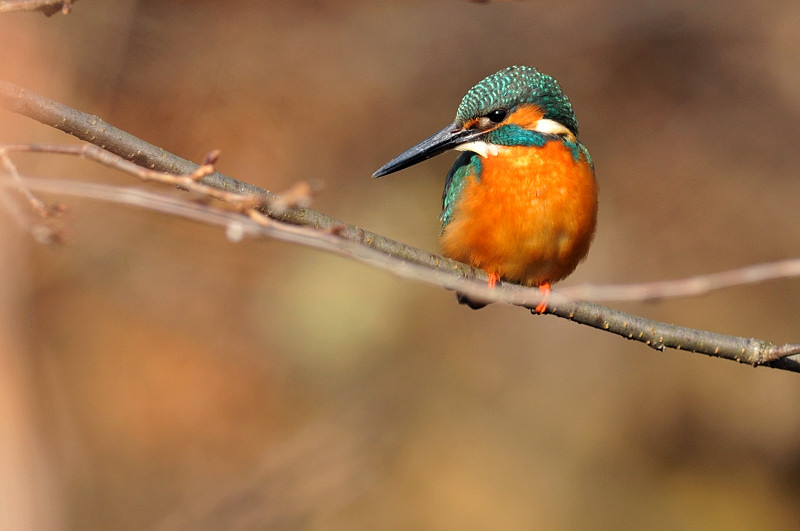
<point>257,212</point>
<point>48,7</point>
<point>686,287</point>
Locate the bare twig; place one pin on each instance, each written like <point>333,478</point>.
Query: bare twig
<point>686,287</point>
<point>191,182</point>
<point>36,204</point>
<point>299,195</point>
<point>48,7</point>
<point>40,226</point>
<point>307,227</point>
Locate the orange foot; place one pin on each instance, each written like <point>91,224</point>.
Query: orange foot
<point>544,289</point>
<point>494,278</point>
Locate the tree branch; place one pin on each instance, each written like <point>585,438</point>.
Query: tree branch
<point>95,131</point>
<point>258,212</point>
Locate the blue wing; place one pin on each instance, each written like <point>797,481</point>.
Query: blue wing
<point>468,163</point>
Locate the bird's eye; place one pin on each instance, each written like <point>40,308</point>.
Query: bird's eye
<point>497,115</point>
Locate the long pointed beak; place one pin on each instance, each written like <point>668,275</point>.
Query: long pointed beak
<point>448,138</point>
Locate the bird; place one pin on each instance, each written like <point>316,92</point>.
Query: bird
<point>520,201</point>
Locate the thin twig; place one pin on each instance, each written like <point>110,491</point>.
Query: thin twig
<point>40,226</point>
<point>48,7</point>
<point>686,287</point>
<point>191,182</point>
<point>36,204</point>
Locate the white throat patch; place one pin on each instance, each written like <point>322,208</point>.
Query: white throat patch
<point>544,126</point>
<point>484,149</point>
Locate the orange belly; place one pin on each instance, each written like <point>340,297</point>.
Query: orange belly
<point>529,219</point>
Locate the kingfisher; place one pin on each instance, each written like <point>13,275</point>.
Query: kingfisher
<point>520,202</point>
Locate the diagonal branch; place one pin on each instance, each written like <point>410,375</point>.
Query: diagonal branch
<point>95,131</point>
<point>308,227</point>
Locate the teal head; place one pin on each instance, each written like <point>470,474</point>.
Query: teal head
<point>515,106</point>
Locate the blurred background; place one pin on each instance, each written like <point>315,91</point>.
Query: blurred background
<point>157,376</point>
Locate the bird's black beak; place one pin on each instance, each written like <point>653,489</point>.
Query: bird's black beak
<point>448,138</point>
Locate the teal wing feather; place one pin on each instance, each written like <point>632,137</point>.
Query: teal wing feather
<point>468,163</point>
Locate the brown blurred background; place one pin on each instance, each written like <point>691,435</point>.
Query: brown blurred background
<point>157,376</point>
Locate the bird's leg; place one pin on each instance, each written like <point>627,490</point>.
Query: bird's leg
<point>494,278</point>
<point>544,289</point>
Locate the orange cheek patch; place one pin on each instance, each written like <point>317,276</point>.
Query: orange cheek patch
<point>469,124</point>
<point>526,116</point>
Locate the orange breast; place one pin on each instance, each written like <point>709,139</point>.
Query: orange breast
<point>530,218</point>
